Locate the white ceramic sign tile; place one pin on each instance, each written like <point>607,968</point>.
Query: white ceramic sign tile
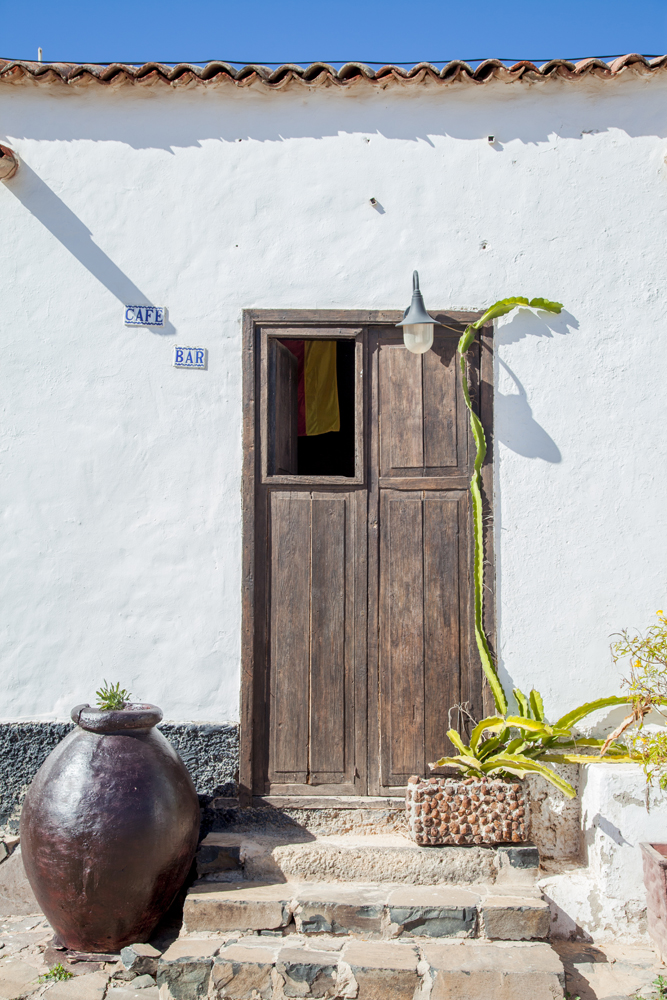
<point>190,357</point>
<point>144,315</point>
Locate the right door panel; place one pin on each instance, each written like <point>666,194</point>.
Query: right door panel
<point>423,428</point>
<point>421,465</point>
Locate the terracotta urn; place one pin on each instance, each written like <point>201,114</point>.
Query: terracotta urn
<point>467,811</point>
<point>109,829</point>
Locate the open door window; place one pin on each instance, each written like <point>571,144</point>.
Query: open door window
<point>283,409</point>
<point>312,405</point>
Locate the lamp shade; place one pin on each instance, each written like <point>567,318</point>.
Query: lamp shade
<point>417,324</point>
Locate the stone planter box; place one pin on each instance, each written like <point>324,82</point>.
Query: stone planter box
<point>467,811</point>
<point>654,860</point>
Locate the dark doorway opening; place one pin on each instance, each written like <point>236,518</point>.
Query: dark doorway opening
<point>332,454</point>
<point>311,407</point>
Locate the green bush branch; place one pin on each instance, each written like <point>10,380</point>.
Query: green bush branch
<point>467,339</point>
<point>647,690</point>
<point>525,743</point>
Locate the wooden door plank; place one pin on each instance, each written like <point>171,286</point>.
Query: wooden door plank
<point>442,596</point>
<point>401,416</point>
<point>312,332</point>
<point>282,415</point>
<point>472,677</point>
<point>360,392</point>
<point>261,678</point>
<point>251,755</point>
<point>356,630</point>
<point>373,658</point>
<point>473,682</point>
<point>290,533</point>
<point>440,404</point>
<point>329,699</point>
<point>401,636</point>
<point>418,482</point>
<point>485,364</point>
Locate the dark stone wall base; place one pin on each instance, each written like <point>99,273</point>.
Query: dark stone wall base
<point>210,752</point>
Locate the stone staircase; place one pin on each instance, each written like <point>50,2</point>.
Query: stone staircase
<point>288,914</point>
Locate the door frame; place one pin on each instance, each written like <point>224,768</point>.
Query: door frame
<point>252,321</point>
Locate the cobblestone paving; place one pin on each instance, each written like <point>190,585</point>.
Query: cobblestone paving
<point>609,971</point>
<point>593,972</point>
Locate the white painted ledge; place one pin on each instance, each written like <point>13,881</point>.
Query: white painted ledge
<point>604,899</point>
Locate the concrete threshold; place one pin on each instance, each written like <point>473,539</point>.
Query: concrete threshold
<point>329,801</point>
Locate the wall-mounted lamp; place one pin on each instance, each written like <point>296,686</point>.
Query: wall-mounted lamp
<point>9,163</point>
<point>417,324</point>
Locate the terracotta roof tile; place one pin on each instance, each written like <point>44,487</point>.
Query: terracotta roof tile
<point>319,74</point>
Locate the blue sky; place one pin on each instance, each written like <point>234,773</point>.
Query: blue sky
<point>330,30</point>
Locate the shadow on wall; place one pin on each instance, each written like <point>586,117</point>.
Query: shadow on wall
<point>516,427</point>
<point>514,424</point>
<point>45,205</point>
<point>153,117</point>
<point>608,828</point>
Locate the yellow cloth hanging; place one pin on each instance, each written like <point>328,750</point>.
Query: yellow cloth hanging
<point>321,387</point>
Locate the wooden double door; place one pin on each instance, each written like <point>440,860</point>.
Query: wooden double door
<point>359,640</point>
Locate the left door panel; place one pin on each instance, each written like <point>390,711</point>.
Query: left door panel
<point>316,640</point>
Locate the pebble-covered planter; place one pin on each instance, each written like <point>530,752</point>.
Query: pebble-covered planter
<point>467,811</point>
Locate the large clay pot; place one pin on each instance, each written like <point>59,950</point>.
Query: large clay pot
<point>109,829</point>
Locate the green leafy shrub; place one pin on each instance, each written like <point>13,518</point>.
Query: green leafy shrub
<point>660,984</point>
<point>650,750</point>
<point>500,308</point>
<point>647,690</point>
<point>112,696</point>
<point>648,662</point>
<point>57,973</point>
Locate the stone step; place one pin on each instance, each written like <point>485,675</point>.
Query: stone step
<point>319,814</point>
<point>295,966</point>
<point>301,856</point>
<point>382,910</point>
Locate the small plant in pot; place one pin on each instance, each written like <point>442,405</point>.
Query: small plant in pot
<point>112,697</point>
<point>488,803</point>
<point>109,826</point>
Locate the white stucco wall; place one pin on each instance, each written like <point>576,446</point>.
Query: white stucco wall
<point>604,898</point>
<point>120,475</point>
